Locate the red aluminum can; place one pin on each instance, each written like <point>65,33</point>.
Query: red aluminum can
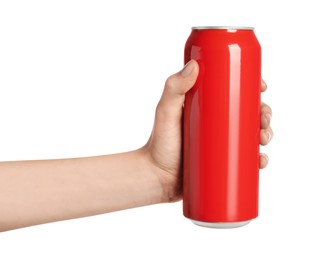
<point>221,127</point>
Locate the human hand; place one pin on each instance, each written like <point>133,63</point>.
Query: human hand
<point>164,147</point>
<point>266,132</point>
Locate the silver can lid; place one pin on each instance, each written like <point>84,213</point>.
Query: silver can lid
<point>220,224</point>
<point>222,28</point>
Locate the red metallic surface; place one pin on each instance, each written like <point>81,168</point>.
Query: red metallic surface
<point>222,126</point>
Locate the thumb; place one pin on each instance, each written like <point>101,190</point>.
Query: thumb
<point>176,86</point>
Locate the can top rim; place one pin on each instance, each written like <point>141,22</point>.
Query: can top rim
<point>222,28</point>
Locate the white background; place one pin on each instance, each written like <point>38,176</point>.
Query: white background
<point>80,78</point>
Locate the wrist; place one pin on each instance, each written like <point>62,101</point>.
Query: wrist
<point>168,183</point>
<point>147,181</point>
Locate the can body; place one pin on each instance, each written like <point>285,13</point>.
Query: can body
<point>221,128</point>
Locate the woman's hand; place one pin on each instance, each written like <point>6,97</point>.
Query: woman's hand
<point>164,148</point>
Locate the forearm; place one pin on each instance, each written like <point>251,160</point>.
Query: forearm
<point>35,192</point>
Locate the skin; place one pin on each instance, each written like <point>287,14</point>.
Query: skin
<point>37,192</point>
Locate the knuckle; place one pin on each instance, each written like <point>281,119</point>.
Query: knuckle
<point>169,82</point>
<point>158,108</point>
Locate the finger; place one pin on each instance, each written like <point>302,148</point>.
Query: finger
<point>176,86</point>
<point>266,136</point>
<point>265,116</point>
<point>263,160</point>
<point>263,86</point>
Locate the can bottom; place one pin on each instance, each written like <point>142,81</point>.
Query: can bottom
<point>220,224</point>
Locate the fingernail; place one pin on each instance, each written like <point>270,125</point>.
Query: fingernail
<point>188,68</point>
<point>265,157</point>
<point>268,134</point>
<point>268,117</point>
